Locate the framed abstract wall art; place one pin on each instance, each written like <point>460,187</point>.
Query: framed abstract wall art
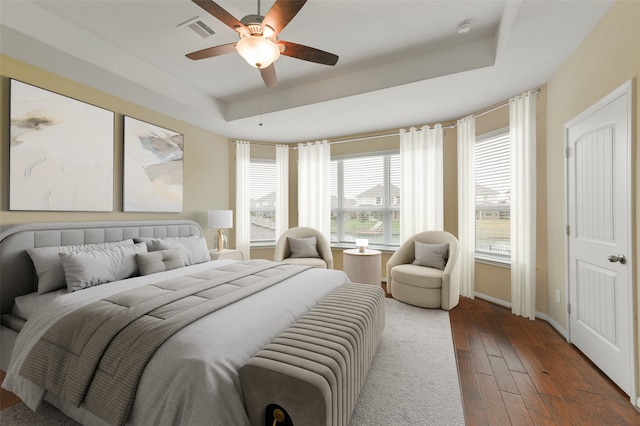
<point>60,154</point>
<point>153,163</point>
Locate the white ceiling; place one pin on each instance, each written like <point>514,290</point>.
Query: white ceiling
<point>402,63</point>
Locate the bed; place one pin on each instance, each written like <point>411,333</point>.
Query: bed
<point>193,375</point>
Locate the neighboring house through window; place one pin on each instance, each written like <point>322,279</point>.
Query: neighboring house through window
<point>493,197</point>
<point>365,199</point>
<point>262,194</point>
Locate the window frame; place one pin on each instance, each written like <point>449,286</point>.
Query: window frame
<point>483,256</point>
<point>252,210</point>
<point>387,208</point>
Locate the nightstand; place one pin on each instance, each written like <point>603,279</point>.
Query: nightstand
<point>226,254</point>
<point>362,267</point>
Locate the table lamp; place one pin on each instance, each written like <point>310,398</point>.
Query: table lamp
<point>220,219</point>
<point>361,244</point>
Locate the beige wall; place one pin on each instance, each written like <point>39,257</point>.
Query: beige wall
<point>606,59</point>
<point>205,154</point>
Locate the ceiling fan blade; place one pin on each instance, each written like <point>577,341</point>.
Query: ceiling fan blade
<point>221,14</point>
<point>281,13</point>
<point>210,52</point>
<point>307,53</point>
<point>269,76</point>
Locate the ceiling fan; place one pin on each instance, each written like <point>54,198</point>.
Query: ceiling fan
<point>259,44</point>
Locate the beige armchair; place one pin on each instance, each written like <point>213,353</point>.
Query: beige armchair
<point>300,250</point>
<point>425,286</point>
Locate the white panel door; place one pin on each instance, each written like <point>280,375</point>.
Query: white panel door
<point>599,214</point>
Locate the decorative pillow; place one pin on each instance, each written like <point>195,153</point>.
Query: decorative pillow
<point>194,249</point>
<point>431,255</point>
<point>303,247</point>
<point>49,267</point>
<point>159,261</point>
<point>90,268</point>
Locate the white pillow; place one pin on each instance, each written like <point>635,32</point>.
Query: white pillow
<point>49,267</point>
<point>90,268</point>
<point>194,249</point>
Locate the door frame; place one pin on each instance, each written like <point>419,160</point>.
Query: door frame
<point>624,89</point>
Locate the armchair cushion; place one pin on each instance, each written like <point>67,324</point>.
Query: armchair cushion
<point>417,276</point>
<point>431,255</point>
<point>304,247</point>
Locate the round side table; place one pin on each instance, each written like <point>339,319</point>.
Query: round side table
<point>362,267</point>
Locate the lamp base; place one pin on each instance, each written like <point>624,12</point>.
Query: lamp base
<point>220,243</point>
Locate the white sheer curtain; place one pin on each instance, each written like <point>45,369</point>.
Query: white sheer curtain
<point>421,181</point>
<point>522,129</point>
<point>243,213</point>
<point>314,198</point>
<point>282,189</point>
<point>467,204</point>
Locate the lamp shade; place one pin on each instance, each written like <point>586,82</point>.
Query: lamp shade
<point>362,244</point>
<point>220,219</point>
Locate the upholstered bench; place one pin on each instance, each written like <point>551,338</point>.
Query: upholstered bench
<point>313,372</point>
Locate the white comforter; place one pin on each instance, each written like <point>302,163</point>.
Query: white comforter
<point>192,379</point>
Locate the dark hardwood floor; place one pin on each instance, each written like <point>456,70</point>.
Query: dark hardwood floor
<point>514,371</point>
<point>7,399</point>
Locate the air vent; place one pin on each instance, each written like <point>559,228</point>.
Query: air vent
<point>197,26</point>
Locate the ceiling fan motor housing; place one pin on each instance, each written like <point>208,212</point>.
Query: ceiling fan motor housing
<point>252,20</point>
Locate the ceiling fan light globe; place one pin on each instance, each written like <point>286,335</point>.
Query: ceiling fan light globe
<point>258,51</point>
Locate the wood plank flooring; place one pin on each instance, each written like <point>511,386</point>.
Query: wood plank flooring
<point>514,371</point>
<point>7,399</point>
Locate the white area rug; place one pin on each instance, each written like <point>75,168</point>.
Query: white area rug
<point>413,379</point>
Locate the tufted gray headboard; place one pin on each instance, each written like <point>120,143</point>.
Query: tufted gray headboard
<point>17,274</point>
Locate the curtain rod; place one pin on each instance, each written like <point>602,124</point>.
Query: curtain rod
<point>449,126</point>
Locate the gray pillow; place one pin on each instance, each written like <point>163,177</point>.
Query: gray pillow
<point>194,249</point>
<point>90,268</point>
<point>431,255</point>
<point>303,247</point>
<point>159,261</point>
<point>49,267</point>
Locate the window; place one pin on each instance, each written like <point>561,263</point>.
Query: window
<point>262,194</point>
<point>365,199</point>
<point>493,197</point>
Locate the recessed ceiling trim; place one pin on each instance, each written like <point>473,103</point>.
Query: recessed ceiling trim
<point>462,57</point>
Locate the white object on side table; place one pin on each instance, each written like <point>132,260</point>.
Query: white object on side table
<point>220,219</point>
<point>226,254</point>
<point>362,267</point>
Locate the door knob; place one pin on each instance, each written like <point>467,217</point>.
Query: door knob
<point>617,258</point>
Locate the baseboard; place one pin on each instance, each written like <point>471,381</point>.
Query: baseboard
<point>492,299</point>
<point>564,333</point>
<point>539,315</point>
